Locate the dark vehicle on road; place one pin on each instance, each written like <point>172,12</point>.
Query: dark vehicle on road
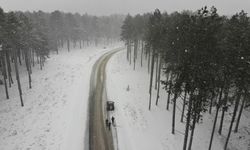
<point>110,106</point>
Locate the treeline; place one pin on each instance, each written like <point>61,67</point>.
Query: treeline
<point>205,58</point>
<point>27,38</point>
<point>71,29</point>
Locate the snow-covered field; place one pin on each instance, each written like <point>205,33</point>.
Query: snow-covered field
<point>140,129</point>
<point>55,111</point>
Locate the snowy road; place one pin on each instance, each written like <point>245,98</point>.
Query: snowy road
<point>100,138</point>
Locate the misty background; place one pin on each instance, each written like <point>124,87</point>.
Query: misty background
<point>107,7</point>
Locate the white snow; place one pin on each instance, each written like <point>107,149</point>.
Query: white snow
<point>55,111</point>
<point>140,129</point>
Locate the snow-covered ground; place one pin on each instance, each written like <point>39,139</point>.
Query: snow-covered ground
<point>55,111</point>
<point>140,129</point>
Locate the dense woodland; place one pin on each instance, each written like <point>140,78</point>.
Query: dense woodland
<point>27,38</point>
<point>205,58</point>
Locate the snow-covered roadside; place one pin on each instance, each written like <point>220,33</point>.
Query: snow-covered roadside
<point>55,111</point>
<point>140,129</point>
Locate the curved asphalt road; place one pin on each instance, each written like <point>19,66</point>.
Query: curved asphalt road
<point>100,138</point>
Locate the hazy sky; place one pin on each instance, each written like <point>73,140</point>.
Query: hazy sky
<point>106,7</point>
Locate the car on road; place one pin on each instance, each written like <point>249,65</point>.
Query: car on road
<point>110,106</point>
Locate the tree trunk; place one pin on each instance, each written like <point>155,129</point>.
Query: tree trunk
<point>156,71</point>
<point>148,53</point>
<point>211,102</point>
<point>151,78</point>
<point>57,46</point>
<point>142,52</point>
<point>128,50</point>
<point>41,63</point>
<point>18,79</point>
<point>27,62</point>
<point>183,106</point>
<point>159,81</point>
<point>233,118</point>
<point>136,48</point>
<point>30,61</point>
<point>74,44</point>
<point>188,121</point>
<point>29,69</point>
<point>33,58</point>
<point>19,57</point>
<point>68,46</point>
<point>173,117</point>
<point>130,56</point>
<point>223,110</point>
<point>192,132</point>
<point>37,59</point>
<point>169,90</point>
<point>135,51</point>
<point>5,75</point>
<point>9,68</point>
<point>215,119</point>
<point>239,115</point>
